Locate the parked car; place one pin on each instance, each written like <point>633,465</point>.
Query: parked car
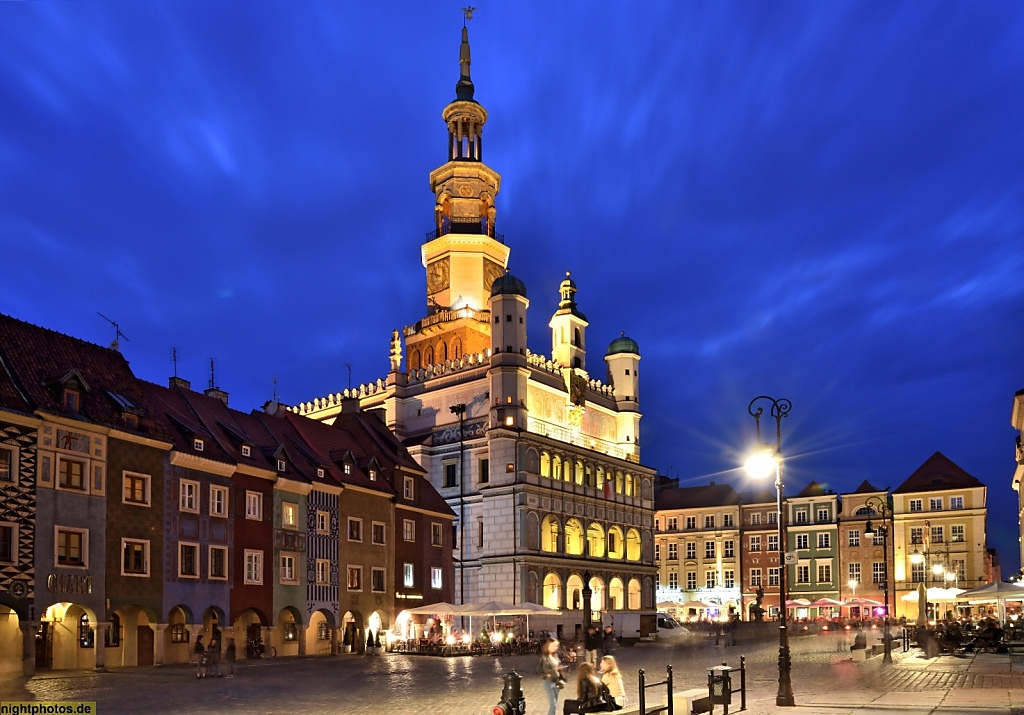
<point>670,629</point>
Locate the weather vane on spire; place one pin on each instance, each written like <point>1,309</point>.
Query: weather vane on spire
<point>468,12</point>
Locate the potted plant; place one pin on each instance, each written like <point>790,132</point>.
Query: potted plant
<point>346,641</point>
<point>377,649</point>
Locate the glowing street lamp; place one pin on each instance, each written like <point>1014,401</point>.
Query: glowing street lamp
<point>761,465</point>
<point>853,586</point>
<point>884,510</point>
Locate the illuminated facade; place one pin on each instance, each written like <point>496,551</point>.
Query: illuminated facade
<point>539,461</point>
<point>1017,420</point>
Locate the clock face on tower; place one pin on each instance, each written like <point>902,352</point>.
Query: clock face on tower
<point>437,276</point>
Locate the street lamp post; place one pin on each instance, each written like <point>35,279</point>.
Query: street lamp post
<point>884,510</point>
<point>853,587</point>
<point>761,465</point>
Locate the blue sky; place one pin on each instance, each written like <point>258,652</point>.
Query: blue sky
<point>819,201</point>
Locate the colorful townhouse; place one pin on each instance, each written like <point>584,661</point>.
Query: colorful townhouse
<point>812,532</point>
<point>759,553</point>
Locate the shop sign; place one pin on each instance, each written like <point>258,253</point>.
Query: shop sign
<point>69,583</point>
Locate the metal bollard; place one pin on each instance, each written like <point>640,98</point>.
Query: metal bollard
<point>512,700</point>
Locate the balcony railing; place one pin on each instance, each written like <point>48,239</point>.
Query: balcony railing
<point>478,227</point>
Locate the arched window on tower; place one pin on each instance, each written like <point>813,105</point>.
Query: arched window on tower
<point>456,349</point>
<point>576,338</point>
<point>428,357</point>
<point>414,360</point>
<point>442,351</point>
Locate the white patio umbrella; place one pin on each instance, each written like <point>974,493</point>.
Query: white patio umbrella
<point>998,591</point>
<point>526,609</point>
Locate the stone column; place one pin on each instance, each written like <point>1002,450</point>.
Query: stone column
<point>161,635</point>
<point>335,646</point>
<point>268,642</point>
<point>28,647</point>
<point>301,634</point>
<point>99,638</point>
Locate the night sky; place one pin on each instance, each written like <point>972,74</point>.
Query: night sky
<point>813,200</point>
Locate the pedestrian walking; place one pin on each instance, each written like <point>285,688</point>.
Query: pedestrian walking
<point>229,657</point>
<point>200,655</point>
<point>608,641</point>
<point>591,642</point>
<point>551,670</point>
<point>213,659</point>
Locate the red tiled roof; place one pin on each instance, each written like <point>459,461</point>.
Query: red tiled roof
<point>690,497</point>
<point>169,407</point>
<point>937,472</point>
<point>34,360</point>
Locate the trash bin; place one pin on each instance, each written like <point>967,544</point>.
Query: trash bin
<point>720,686</point>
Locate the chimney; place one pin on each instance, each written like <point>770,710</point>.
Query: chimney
<point>179,383</point>
<point>217,393</point>
<point>349,405</point>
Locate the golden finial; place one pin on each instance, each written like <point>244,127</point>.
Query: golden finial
<point>468,12</point>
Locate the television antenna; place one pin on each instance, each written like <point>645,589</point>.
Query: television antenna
<point>116,345</point>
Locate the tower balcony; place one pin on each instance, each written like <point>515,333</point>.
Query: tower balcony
<point>473,227</point>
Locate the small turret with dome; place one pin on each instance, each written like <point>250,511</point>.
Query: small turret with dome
<point>623,344</point>
<point>568,328</point>
<point>508,374</point>
<point>623,359</point>
<point>508,284</point>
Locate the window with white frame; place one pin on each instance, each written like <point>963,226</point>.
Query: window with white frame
<point>937,534</point>
<point>253,505</point>
<point>246,450</point>
<point>287,570</point>
<point>436,580</point>
<point>755,519</point>
<point>727,520</point>
<point>958,567</point>
<point>218,563</point>
<point>71,546</point>
<point>755,543</point>
<point>8,543</point>
<point>691,522</point>
<point>691,549</point>
<point>824,540</point>
<point>673,579</point>
<point>408,488</point>
<point>935,504</point>
<point>348,469</point>
<point>803,574</point>
<point>956,533</point>
<point>916,535</point>
<point>802,541</point>
<point>134,557</point>
<point>355,529</point>
<point>323,522</point>
<point>709,521</point>
<point>323,572</point>
<point>917,572</point>
<point>188,560</point>
<point>188,496</point>
<point>956,502</point>
<point>281,466</point>
<point>773,575</point>
<point>408,575</point>
<point>135,488</point>
<point>218,500</point>
<point>824,573</point>
<point>673,523</point>
<point>657,552</point>
<point>253,566</point>
<point>916,505</point>
<point>729,547</point>
<point>878,572</point>
<point>289,515</point>
<point>710,578</point>
<point>378,531</point>
<point>773,542</point>
<point>878,537</point>
<point>197,444</point>
<point>673,551</point>
<point>436,534</point>
<point>801,516</point>
<point>755,577</point>
<point>823,515</point>
<point>773,517</point>
<point>354,578</point>
<point>853,569</point>
<point>691,580</point>
<point>377,584</point>
<point>408,530</point>
<point>709,549</point>
<point>728,578</point>
<point>854,537</point>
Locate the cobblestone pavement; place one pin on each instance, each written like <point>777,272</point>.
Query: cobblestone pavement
<point>825,680</point>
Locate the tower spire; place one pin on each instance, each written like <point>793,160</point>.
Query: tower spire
<point>464,87</point>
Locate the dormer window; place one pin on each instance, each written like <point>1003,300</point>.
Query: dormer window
<point>246,450</point>
<point>348,469</point>
<point>130,421</point>
<point>197,444</point>
<point>72,400</point>
<point>373,475</point>
<point>320,472</point>
<point>280,465</point>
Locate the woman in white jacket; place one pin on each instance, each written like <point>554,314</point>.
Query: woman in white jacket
<point>612,679</point>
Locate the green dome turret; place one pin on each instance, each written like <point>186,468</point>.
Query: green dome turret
<point>508,284</point>
<point>622,344</point>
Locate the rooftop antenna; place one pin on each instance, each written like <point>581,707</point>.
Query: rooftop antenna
<point>213,383</point>
<point>468,12</point>
<point>116,345</point>
<point>174,359</point>
<point>349,366</point>
<point>275,388</point>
